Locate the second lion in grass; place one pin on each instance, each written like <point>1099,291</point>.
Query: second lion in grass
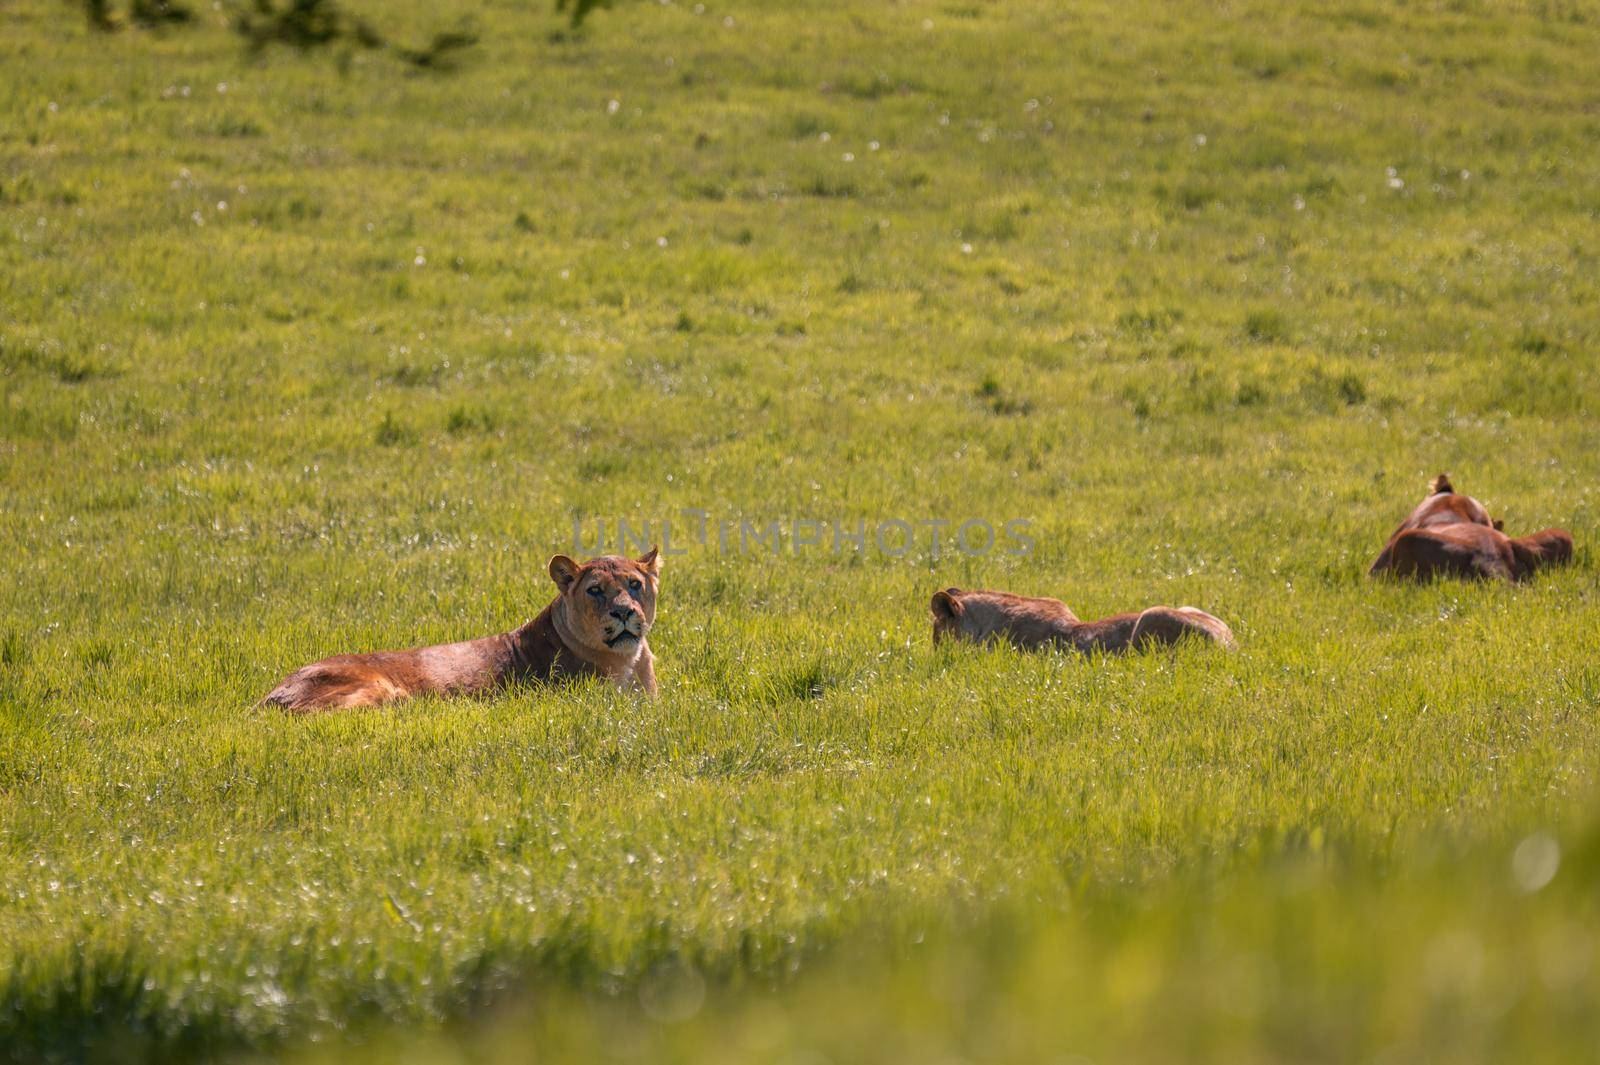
<point>1032,622</point>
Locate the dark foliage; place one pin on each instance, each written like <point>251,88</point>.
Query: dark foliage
<point>443,52</point>
<point>99,15</point>
<point>308,24</point>
<point>580,9</point>
<point>302,24</point>
<point>158,13</point>
<point>151,14</point>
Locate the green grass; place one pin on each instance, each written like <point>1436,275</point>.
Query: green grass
<point>1138,273</point>
<point>1483,960</point>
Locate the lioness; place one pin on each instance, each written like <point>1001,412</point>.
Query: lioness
<point>1030,623</point>
<point>596,626</point>
<point>1442,506</point>
<point>1473,551</point>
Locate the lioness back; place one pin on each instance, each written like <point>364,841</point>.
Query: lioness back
<point>1033,622</point>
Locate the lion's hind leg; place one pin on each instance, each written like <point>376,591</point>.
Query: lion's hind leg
<point>1208,626</point>
<point>1165,626</point>
<point>344,686</point>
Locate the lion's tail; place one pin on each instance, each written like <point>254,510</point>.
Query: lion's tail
<point>1440,485</point>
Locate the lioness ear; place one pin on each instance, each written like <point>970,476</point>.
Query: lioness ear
<point>652,561</point>
<point>946,605</point>
<point>563,571</point>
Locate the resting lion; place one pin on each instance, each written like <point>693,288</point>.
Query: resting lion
<point>1442,506</point>
<point>1473,551</point>
<point>1451,535</point>
<point>596,626</point>
<point>1030,623</point>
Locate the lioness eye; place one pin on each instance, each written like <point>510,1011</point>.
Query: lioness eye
<point>594,590</point>
<point>634,586</point>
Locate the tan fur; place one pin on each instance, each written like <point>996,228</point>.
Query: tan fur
<point>1031,622</point>
<point>596,626</point>
<point>1460,550</point>
<point>1547,547</point>
<point>1442,506</point>
<point>1475,552</point>
<point>1451,535</point>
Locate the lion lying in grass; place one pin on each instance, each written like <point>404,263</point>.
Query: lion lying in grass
<point>1451,535</point>
<point>1477,552</point>
<point>596,626</point>
<point>1030,623</point>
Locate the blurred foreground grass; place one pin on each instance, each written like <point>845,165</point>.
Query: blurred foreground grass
<point>1484,956</point>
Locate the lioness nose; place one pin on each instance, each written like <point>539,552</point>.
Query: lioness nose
<point>621,614</point>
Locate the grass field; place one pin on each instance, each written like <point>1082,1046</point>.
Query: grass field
<point>302,354</point>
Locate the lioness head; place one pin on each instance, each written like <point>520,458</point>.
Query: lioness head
<point>947,611</point>
<point>610,601</point>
